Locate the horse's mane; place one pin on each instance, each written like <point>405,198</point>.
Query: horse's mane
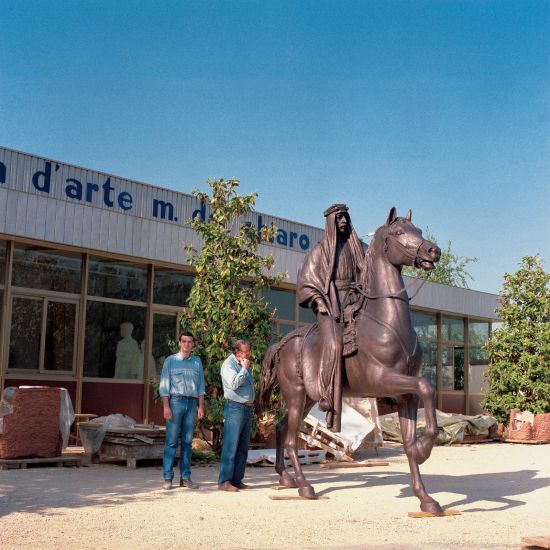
<point>368,264</point>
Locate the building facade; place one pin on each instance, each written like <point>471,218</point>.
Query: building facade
<point>93,276</point>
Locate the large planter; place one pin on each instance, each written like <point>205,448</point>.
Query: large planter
<point>525,426</point>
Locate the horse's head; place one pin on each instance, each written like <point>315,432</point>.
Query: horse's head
<point>404,245</point>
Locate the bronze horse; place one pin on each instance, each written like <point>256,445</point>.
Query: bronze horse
<point>386,363</point>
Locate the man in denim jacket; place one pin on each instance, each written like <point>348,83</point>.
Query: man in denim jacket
<point>238,390</point>
<point>182,391</point>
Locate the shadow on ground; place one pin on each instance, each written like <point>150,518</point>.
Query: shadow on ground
<point>497,488</point>
<point>45,490</point>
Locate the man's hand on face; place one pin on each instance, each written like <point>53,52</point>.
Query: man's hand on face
<point>242,356</point>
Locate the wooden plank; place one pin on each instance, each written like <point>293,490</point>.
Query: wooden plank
<point>127,441</point>
<point>363,464</point>
<point>132,441</point>
<point>130,453</point>
<point>448,512</point>
<point>295,497</point>
<point>147,440</point>
<point>73,450</point>
<point>327,448</point>
<point>7,463</point>
<point>134,431</point>
<point>535,542</point>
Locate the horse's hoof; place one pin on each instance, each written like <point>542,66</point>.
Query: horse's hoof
<point>287,480</point>
<point>307,492</point>
<point>431,507</point>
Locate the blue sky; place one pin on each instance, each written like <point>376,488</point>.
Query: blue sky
<point>438,106</point>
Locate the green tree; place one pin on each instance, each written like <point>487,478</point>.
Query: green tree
<point>450,270</point>
<point>226,300</point>
<point>519,351</point>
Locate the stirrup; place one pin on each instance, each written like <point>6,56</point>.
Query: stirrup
<point>324,404</point>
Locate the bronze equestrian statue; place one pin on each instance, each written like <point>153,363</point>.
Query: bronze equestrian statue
<point>386,361</point>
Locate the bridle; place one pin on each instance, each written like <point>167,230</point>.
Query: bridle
<point>402,294</point>
<point>409,251</point>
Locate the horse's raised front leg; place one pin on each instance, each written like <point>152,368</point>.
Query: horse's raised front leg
<point>425,442</point>
<point>407,408</point>
<point>400,385</point>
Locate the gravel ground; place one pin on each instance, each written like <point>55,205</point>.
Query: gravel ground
<point>501,490</point>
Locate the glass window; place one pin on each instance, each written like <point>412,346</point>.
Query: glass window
<point>116,279</point>
<point>452,329</point>
<point>284,301</point>
<point>46,269</point>
<point>425,324</point>
<point>429,361</point>
<point>164,340</point>
<point>478,333</point>
<point>114,340</point>
<point>25,336</point>
<point>171,287</point>
<point>478,361</point>
<point>2,261</point>
<point>453,368</point>
<point>42,334</point>
<point>478,356</point>
<point>59,337</point>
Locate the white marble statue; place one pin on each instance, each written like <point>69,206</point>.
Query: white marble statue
<point>127,354</point>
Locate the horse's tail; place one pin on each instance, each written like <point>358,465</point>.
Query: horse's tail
<point>268,377</point>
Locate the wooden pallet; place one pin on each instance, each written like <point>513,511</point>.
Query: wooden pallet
<point>22,463</point>
<point>131,452</point>
<point>321,442</point>
<point>535,542</point>
<point>133,444</point>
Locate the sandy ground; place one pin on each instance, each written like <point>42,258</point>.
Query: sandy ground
<point>502,491</point>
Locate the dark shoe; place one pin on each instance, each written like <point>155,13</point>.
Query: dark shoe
<point>242,486</point>
<point>188,483</point>
<point>227,486</point>
<point>167,484</point>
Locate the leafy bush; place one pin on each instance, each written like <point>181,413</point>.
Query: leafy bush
<point>450,270</point>
<point>226,301</point>
<point>519,352</point>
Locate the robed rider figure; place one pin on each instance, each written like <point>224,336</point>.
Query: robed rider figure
<point>325,284</point>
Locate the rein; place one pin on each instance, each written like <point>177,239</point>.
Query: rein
<point>358,287</point>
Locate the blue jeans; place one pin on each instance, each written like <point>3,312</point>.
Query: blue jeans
<point>180,428</point>
<point>236,437</point>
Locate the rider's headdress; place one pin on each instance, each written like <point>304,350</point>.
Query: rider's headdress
<point>335,209</point>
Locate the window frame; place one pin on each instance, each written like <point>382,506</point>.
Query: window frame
<point>45,298</point>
